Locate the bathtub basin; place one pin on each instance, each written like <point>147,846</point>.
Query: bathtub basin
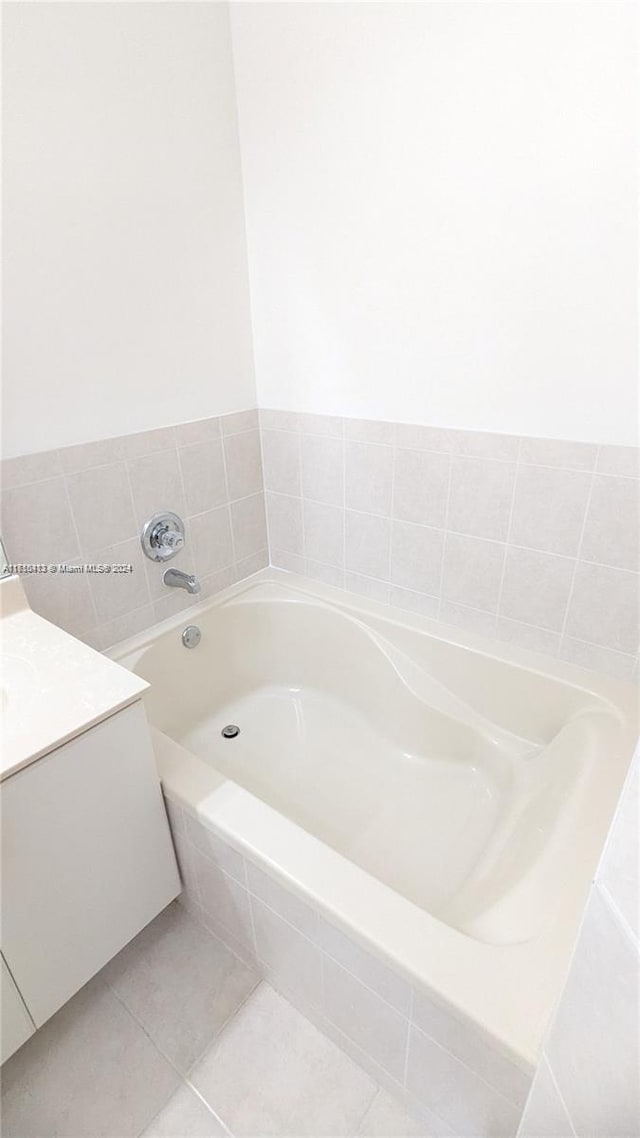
<point>444,799</point>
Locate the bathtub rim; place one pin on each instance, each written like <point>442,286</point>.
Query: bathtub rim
<point>507,992</point>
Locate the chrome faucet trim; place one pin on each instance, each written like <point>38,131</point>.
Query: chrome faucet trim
<point>176,579</point>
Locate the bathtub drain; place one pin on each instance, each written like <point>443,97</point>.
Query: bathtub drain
<point>230,731</point>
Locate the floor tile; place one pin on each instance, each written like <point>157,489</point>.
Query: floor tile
<point>272,1073</point>
<point>90,1072</point>
<point>387,1118</point>
<point>185,1116</point>
<point>181,983</point>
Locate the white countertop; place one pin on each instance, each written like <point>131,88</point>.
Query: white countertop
<point>52,686</point>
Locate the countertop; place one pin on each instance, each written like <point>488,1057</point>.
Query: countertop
<point>52,686</point>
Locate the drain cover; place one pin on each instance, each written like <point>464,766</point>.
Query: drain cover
<point>230,731</point>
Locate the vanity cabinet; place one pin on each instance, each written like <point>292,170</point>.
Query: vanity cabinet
<point>87,860</point>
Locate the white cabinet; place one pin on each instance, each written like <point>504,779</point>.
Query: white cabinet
<point>87,858</point>
<point>14,1017</point>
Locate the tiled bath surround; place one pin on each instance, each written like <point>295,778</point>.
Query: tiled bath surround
<point>530,541</point>
<point>442,1068</point>
<point>587,1082</point>
<point>88,503</point>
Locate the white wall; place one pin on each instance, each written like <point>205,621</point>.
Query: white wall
<point>440,212</point>
<point>125,283</point>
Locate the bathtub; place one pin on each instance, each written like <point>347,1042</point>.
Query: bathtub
<point>441,800</point>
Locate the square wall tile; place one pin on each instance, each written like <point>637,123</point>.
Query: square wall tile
<point>63,598</point>
<point>291,960</point>
<point>285,523</point>
<point>480,497</point>
<point>243,459</point>
<point>604,607</point>
<point>416,557</point>
<point>549,508</point>
<point>545,1115</point>
<point>103,452</point>
<point>210,535</point>
<point>203,476</point>
<point>150,442</point>
<point>536,588</point>
<point>329,426</point>
<point>367,544</point>
<point>102,507</point>
<point>323,469</point>
<point>420,603</point>
<point>559,453</point>
<point>421,486</point>
<point>281,458</point>
<point>198,431</point>
<point>324,533</point>
<point>613,523</point>
<point>619,460</point>
<point>365,1018</point>
<point>249,523</point>
<point>224,900</point>
<point>37,525</point>
<point>370,969</point>
<point>282,901</point>
<point>239,421</point>
<point>369,431</point>
<point>115,594</point>
<point>472,571</point>
<point>368,478</point>
<point>156,484</point>
<point>30,468</point>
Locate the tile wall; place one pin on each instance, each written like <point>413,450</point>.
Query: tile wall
<point>588,1081</point>
<point>531,541</point>
<point>437,1064</point>
<point>88,504</point>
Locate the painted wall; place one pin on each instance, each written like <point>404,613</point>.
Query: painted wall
<point>125,277</point>
<point>440,212</point>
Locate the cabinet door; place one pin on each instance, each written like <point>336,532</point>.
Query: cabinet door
<point>16,1024</point>
<point>87,858</point>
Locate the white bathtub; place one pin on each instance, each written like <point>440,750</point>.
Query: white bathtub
<point>442,799</point>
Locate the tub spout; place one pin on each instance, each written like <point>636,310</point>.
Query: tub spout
<point>176,579</point>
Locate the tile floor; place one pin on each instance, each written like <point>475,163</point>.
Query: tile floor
<point>177,1038</point>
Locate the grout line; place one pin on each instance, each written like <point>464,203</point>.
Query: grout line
<point>507,544</point>
<point>544,1059</point>
<point>616,913</point>
<point>563,630</point>
<point>444,540</point>
<point>406,1054</point>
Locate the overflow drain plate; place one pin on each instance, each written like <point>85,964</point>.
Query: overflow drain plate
<point>230,731</point>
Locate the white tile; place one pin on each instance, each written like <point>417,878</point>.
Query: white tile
<point>247,566</point>
<point>604,607</point>
<point>536,588</point>
<point>283,901</point>
<point>421,484</point>
<point>372,971</point>
<point>203,476</point>
<point>36,523</point>
<point>221,853</point>
<point>156,484</point>
<point>482,444</point>
<point>597,659</point>
<point>27,468</point>
<point>416,557</point>
<point>365,1018</point>
<point>91,1070</point>
<point>323,469</point>
<point>613,521</point>
<point>149,442</point>
<point>249,524</point>
<point>281,458</point>
<point>367,587</point>
<point>471,1048</point>
<point>63,598</point>
<point>472,571</point>
<point>243,459</point>
<point>388,1118</point>
<point>369,431</point>
<point>480,497</point>
<point>103,452</point>
<point>327,425</point>
<point>281,559</point>
<point>180,983</point>
<point>224,901</point>
<point>122,627</point>
<point>593,1048</point>
<point>323,533</point>
<point>185,1116</point>
<point>197,431</point>
<point>285,523</point>
<point>210,539</point>
<point>328,574</point>
<point>291,961</point>
<point>239,421</point>
<point>368,478</point>
<point>619,870</point>
<point>416,437</point>
<point>549,508</point>
<point>367,544</point>
<point>462,616</point>
<point>619,460</point>
<point>450,1089</point>
<point>115,594</point>
<point>279,420</point>
<point>545,1115</point>
<point>420,603</point>
<point>272,1073</point>
<point>558,452</point>
<point>527,636</point>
